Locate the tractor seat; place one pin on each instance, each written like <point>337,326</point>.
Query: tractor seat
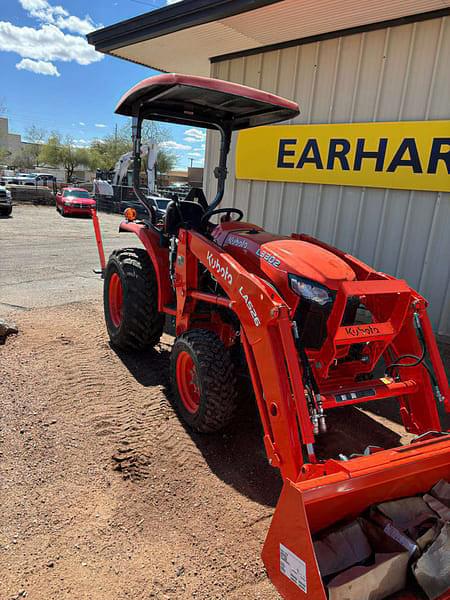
<point>183,214</point>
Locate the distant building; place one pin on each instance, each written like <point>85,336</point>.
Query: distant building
<point>177,176</point>
<point>195,176</point>
<point>9,141</point>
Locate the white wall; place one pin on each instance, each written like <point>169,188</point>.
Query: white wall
<point>401,73</point>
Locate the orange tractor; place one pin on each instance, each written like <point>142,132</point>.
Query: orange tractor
<point>312,325</point>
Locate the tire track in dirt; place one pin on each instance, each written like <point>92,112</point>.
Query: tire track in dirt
<point>125,396</point>
<point>187,489</point>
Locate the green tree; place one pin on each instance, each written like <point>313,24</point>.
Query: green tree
<point>4,155</point>
<point>57,152</point>
<point>165,161</point>
<point>35,136</point>
<point>24,158</point>
<point>105,152</point>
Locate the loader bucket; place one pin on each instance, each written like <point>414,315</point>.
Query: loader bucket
<point>307,507</point>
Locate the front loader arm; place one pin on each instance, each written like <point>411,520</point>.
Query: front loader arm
<point>268,342</point>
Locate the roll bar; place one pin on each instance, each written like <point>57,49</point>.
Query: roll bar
<point>202,102</point>
<point>220,171</point>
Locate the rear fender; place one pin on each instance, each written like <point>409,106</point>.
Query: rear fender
<point>159,257</point>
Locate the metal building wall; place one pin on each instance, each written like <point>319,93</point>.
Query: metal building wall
<point>399,73</point>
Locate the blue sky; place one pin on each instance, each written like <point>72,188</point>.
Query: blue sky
<point>51,77</point>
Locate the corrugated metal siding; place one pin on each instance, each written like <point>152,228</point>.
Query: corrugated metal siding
<point>400,73</point>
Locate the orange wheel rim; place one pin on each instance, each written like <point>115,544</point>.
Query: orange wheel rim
<point>115,299</point>
<point>187,383</point>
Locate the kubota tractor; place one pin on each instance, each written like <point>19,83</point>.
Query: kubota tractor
<point>311,323</point>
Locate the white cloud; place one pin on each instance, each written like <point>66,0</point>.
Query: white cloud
<point>196,154</point>
<point>100,125</point>
<point>57,15</point>
<point>194,135</point>
<point>38,66</point>
<point>82,124</point>
<point>47,43</point>
<point>172,1</point>
<point>172,145</point>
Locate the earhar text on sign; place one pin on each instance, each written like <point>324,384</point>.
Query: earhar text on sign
<point>413,155</point>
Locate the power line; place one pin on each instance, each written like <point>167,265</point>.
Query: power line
<point>149,3</point>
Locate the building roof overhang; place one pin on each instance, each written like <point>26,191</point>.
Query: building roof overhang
<point>186,36</point>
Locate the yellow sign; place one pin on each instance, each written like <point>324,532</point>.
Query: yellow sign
<point>406,155</point>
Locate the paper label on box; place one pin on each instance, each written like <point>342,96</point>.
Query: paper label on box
<point>293,567</point>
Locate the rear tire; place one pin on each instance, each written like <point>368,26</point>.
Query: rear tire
<point>130,300</point>
<point>203,381</point>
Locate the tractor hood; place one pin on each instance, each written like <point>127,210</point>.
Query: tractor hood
<point>309,261</point>
<point>276,256</point>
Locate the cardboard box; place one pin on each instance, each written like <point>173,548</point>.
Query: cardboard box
<point>386,573</point>
<point>441,491</point>
<point>342,548</point>
<point>432,570</point>
<point>385,577</point>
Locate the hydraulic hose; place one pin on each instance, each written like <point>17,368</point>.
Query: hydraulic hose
<point>417,360</point>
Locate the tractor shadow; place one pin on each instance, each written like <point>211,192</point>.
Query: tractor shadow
<point>237,456</point>
<point>351,430</point>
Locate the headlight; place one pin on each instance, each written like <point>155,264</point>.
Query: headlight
<point>8,194</point>
<point>310,290</point>
<point>67,203</point>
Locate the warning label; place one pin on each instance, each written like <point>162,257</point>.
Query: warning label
<point>293,567</point>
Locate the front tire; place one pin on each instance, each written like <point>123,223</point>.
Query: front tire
<point>203,381</point>
<point>6,212</point>
<point>130,300</point>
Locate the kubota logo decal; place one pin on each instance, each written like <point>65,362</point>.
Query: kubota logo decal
<point>361,330</point>
<point>235,241</point>
<point>215,265</point>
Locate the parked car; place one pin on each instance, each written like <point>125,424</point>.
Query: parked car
<point>45,179</point>
<point>74,201</point>
<point>5,201</point>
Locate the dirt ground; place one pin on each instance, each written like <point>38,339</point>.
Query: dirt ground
<point>104,493</point>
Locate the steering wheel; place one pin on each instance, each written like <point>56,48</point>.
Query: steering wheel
<point>221,211</point>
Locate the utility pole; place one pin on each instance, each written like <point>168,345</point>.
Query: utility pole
<point>192,160</point>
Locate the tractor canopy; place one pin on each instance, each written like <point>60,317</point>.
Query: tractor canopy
<point>205,102</point>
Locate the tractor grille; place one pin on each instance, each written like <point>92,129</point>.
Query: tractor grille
<point>311,319</point>
<point>2,193</point>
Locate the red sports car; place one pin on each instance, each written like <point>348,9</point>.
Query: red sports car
<point>74,201</point>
